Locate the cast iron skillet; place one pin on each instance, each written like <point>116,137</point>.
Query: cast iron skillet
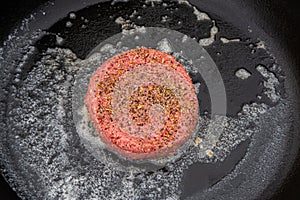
<point>279,19</point>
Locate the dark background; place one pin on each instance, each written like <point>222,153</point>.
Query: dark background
<point>282,16</point>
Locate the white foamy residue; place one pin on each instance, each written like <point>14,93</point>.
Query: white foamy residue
<point>242,73</point>
<point>270,84</point>
<point>226,40</point>
<point>165,46</point>
<point>208,41</point>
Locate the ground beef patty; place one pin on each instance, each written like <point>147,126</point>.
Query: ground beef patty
<point>143,104</point>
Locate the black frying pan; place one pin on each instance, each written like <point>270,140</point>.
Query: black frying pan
<point>277,25</point>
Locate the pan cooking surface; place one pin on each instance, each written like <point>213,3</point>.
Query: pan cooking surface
<point>49,151</point>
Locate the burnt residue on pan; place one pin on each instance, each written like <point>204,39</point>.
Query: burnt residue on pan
<point>44,155</point>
